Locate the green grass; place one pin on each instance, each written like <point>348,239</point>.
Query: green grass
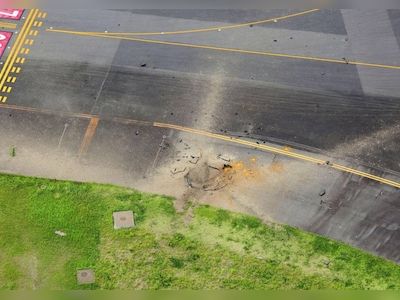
<point>217,249</point>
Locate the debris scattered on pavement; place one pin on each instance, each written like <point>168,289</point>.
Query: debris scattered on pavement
<point>220,156</point>
<point>322,192</point>
<point>13,151</point>
<point>178,170</point>
<point>346,60</point>
<point>194,159</point>
<point>143,65</point>
<point>137,132</point>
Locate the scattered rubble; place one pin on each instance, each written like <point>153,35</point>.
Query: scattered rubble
<point>220,156</point>
<point>322,192</point>
<point>178,170</point>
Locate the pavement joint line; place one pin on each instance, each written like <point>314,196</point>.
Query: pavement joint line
<point>213,28</point>
<point>230,139</point>
<point>23,33</point>
<point>15,46</point>
<point>89,134</point>
<point>237,50</point>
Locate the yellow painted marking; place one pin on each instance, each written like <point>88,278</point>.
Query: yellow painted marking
<point>15,49</point>
<point>282,152</point>
<point>27,51</point>
<point>29,42</point>
<point>22,60</point>
<point>9,79</point>
<point>278,150</point>
<point>39,24</point>
<point>13,69</point>
<point>18,70</point>
<point>40,15</point>
<point>22,35</point>
<point>44,15</point>
<point>3,99</point>
<point>18,60</point>
<point>22,51</point>
<point>236,50</point>
<point>35,23</point>
<point>9,89</point>
<point>4,89</point>
<point>13,79</point>
<point>8,25</point>
<point>214,28</point>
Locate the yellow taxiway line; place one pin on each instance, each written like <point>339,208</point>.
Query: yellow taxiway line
<point>281,151</point>
<point>214,28</point>
<point>235,50</point>
<point>94,119</point>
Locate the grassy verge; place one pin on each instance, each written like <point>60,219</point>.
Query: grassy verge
<point>212,249</point>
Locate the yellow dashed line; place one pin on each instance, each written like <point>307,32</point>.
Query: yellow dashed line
<point>15,49</point>
<point>44,15</point>
<point>40,15</point>
<point>3,99</point>
<point>14,57</point>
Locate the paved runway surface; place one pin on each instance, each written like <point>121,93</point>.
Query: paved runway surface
<point>320,83</point>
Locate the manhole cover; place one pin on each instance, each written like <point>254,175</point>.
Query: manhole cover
<point>85,276</point>
<point>123,219</point>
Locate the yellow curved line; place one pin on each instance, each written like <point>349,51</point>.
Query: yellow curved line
<point>215,28</point>
<point>236,50</point>
<point>280,151</point>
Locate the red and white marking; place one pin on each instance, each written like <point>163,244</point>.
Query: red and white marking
<point>11,13</point>
<point>5,37</point>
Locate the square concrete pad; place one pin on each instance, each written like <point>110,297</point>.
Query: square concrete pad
<point>123,219</point>
<point>85,276</point>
